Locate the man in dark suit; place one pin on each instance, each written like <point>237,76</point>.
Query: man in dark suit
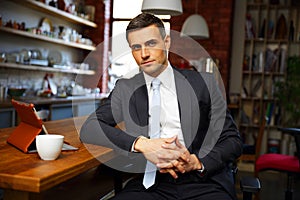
<point>198,138</point>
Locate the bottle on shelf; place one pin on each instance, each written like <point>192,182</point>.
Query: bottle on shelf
<point>291,31</point>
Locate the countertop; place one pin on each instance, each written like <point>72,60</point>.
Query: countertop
<point>6,103</point>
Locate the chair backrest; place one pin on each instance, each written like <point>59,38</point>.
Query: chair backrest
<point>251,152</point>
<point>297,141</point>
<point>295,132</point>
<point>260,135</point>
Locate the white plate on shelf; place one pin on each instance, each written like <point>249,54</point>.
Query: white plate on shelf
<point>54,57</point>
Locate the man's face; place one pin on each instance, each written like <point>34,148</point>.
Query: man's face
<point>149,49</point>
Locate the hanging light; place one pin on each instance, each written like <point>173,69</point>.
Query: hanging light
<point>195,27</point>
<point>162,7</point>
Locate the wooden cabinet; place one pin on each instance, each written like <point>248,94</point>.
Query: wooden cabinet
<point>43,10</point>
<point>56,110</point>
<point>86,108</point>
<point>272,34</point>
<point>7,116</point>
<point>62,111</point>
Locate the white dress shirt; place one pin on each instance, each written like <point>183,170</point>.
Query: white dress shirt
<point>169,112</point>
<point>169,115</point>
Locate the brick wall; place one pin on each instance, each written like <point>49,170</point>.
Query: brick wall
<point>97,34</point>
<point>218,15</point>
<point>95,58</point>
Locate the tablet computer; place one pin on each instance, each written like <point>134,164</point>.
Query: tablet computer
<point>23,136</point>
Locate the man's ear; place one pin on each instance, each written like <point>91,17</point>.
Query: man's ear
<point>167,42</point>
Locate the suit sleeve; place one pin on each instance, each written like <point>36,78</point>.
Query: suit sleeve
<point>222,143</point>
<point>100,126</point>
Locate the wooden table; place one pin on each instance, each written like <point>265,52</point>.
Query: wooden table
<point>24,176</point>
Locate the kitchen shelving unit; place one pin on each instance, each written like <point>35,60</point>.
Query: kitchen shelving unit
<point>43,8</point>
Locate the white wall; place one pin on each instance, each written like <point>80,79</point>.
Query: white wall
<point>237,46</point>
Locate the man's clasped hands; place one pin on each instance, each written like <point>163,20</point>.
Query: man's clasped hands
<point>168,154</point>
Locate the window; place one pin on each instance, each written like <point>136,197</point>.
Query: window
<point>123,64</point>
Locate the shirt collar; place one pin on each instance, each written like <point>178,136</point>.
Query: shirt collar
<point>164,77</point>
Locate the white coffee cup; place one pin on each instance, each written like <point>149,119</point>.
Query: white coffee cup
<point>49,146</point>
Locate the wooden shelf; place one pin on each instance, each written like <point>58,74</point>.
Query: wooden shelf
<point>47,39</point>
<point>265,53</point>
<point>265,6</point>
<point>274,74</point>
<point>267,40</point>
<point>262,40</point>
<point>62,15</point>
<point>233,106</point>
<point>47,69</point>
<point>263,73</point>
<point>253,72</point>
<point>249,125</point>
<point>250,98</point>
<point>55,11</point>
<point>295,42</point>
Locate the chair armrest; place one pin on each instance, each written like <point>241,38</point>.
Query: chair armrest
<point>250,184</point>
<point>291,131</point>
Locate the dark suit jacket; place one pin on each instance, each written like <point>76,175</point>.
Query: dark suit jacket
<point>208,129</point>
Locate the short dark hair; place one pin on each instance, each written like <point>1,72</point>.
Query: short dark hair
<point>144,20</point>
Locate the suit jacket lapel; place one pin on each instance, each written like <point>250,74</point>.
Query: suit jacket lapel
<point>189,115</point>
<point>184,102</point>
<point>140,100</point>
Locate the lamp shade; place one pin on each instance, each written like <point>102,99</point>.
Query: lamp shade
<point>162,7</point>
<point>196,27</point>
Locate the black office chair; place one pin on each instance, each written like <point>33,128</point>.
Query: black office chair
<point>289,164</point>
<point>248,185</point>
<point>275,161</point>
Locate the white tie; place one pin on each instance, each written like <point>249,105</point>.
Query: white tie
<point>150,172</point>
